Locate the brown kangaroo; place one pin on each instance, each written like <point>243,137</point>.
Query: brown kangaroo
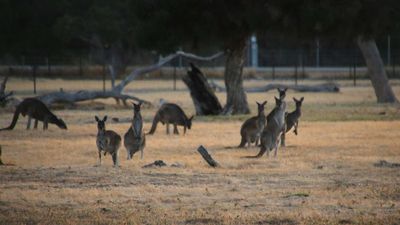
<point>37,110</point>
<point>253,127</point>
<point>282,95</point>
<point>292,119</point>
<point>270,137</point>
<point>107,141</point>
<point>135,139</point>
<point>171,113</point>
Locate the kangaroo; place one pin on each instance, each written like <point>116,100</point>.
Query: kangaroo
<point>171,113</point>
<point>135,139</point>
<point>252,127</point>
<point>107,141</point>
<point>270,137</point>
<point>37,110</point>
<point>292,119</point>
<point>282,95</point>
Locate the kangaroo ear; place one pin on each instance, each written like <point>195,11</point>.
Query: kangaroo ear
<point>105,118</point>
<point>301,99</point>
<point>265,102</point>
<point>191,118</point>
<point>295,100</point>
<point>258,103</point>
<point>285,89</point>
<point>96,118</point>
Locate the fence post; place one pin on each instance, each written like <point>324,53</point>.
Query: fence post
<point>104,77</point>
<point>174,77</point>
<point>273,65</point>
<point>48,66</point>
<point>80,66</point>
<point>303,73</point>
<point>393,66</point>
<point>355,71</point>
<point>295,74</point>
<point>34,77</point>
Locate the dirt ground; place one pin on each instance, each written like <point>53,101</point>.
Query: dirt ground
<point>328,174</point>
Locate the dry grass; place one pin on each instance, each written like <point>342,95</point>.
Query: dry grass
<point>324,176</point>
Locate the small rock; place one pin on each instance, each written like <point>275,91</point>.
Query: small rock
<point>105,210</point>
<point>157,163</point>
<point>177,165</point>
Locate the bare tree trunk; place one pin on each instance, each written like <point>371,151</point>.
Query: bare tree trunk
<point>376,71</point>
<point>236,99</point>
<point>112,75</point>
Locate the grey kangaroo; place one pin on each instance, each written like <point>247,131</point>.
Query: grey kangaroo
<point>37,110</point>
<point>171,113</point>
<point>253,127</point>
<point>135,139</point>
<point>270,137</point>
<point>292,119</point>
<point>282,95</point>
<point>107,141</point>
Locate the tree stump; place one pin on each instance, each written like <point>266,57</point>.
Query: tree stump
<point>204,153</point>
<point>203,96</point>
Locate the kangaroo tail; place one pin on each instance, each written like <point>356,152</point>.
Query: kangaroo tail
<point>154,125</point>
<point>14,120</point>
<point>261,153</point>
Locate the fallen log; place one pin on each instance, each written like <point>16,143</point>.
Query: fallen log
<point>116,91</point>
<point>207,157</point>
<point>203,96</point>
<point>325,87</point>
<point>72,97</point>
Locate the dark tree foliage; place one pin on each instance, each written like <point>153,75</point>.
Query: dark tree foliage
<point>167,25</point>
<point>26,25</point>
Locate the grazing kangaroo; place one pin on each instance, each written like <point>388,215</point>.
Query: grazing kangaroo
<point>135,139</point>
<point>253,127</point>
<point>292,119</point>
<point>270,137</point>
<point>171,113</point>
<point>282,95</point>
<point>107,141</point>
<point>37,110</point>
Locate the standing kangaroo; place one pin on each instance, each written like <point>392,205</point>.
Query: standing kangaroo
<point>37,110</point>
<point>282,95</point>
<point>171,113</point>
<point>292,119</point>
<point>107,141</point>
<point>270,137</point>
<point>253,127</point>
<point>135,139</point>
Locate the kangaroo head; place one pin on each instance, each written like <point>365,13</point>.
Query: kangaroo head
<point>136,107</point>
<point>189,122</point>
<point>279,103</point>
<point>101,124</point>
<point>61,124</point>
<point>261,107</point>
<point>298,102</point>
<point>282,93</point>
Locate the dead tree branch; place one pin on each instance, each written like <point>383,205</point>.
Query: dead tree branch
<point>325,87</point>
<point>117,91</point>
<point>204,153</point>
